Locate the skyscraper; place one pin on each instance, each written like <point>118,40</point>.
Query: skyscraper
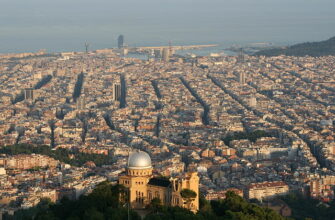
<point>240,56</point>
<point>116,92</point>
<point>81,103</point>
<point>120,41</point>
<point>242,77</point>
<point>29,94</point>
<point>166,55</point>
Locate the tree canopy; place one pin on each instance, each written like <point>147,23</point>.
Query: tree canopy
<point>251,136</point>
<point>105,202</point>
<point>109,201</point>
<point>60,154</point>
<point>308,208</point>
<point>315,49</point>
<point>188,194</point>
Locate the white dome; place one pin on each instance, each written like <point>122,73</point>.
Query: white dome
<point>139,160</point>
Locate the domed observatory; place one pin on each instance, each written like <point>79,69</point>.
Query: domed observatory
<point>143,186</point>
<point>139,164</point>
<point>138,174</point>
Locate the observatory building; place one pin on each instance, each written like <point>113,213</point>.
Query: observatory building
<point>143,186</point>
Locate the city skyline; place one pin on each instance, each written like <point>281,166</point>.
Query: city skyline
<point>177,109</point>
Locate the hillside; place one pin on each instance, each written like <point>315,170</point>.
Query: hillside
<point>109,202</point>
<point>315,49</point>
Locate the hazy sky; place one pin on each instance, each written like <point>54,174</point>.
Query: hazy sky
<point>60,25</point>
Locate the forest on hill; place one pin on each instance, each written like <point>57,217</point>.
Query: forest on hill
<point>314,49</point>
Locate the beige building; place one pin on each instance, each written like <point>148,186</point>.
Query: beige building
<point>266,190</point>
<point>25,161</point>
<point>144,187</point>
<point>217,195</point>
<point>322,188</point>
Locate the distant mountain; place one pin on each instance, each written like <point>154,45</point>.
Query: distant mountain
<point>315,49</point>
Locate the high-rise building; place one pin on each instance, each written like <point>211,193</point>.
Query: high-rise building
<point>81,103</point>
<point>166,55</point>
<point>240,57</point>
<point>120,41</point>
<point>116,92</point>
<point>29,94</point>
<point>242,77</point>
<point>253,101</point>
<point>158,54</point>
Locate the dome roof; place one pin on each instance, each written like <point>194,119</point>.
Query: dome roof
<point>139,160</point>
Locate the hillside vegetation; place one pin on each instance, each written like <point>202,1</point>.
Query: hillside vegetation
<point>314,49</point>
<point>110,202</point>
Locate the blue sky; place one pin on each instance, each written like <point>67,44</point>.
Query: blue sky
<point>60,25</point>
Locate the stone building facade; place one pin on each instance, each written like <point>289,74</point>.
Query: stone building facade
<point>143,186</point>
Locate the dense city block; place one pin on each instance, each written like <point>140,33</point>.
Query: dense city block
<point>259,126</point>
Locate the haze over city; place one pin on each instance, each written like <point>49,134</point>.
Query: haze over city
<point>175,109</point>
<point>64,25</point>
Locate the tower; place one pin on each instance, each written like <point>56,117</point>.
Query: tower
<point>81,102</point>
<point>29,94</point>
<point>166,55</point>
<point>240,57</point>
<point>120,41</point>
<point>116,92</point>
<point>242,77</point>
<point>86,47</point>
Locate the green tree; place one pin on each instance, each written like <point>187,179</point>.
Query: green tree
<point>155,205</point>
<point>235,207</point>
<point>205,208</point>
<point>107,201</point>
<point>189,196</point>
<point>93,214</point>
